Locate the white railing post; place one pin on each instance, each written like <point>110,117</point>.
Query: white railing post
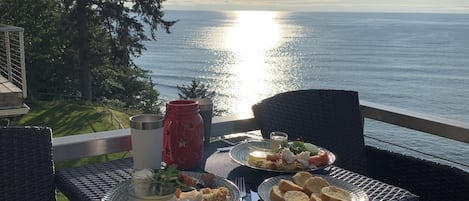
<point>8,56</point>
<point>23,64</point>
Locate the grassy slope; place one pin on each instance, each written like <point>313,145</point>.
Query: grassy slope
<point>70,119</point>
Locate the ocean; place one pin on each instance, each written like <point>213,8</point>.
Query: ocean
<point>414,61</point>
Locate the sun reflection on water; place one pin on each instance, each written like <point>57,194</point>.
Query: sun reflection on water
<point>251,74</point>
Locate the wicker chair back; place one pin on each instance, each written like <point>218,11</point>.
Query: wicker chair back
<point>328,118</point>
<point>27,169</point>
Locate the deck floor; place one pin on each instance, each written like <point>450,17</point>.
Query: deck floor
<point>7,86</point>
<point>11,99</point>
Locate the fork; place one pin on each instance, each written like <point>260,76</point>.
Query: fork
<point>242,187</point>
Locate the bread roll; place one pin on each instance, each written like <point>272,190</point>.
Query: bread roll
<point>220,193</point>
<point>314,197</point>
<point>300,177</point>
<point>333,193</point>
<point>314,185</point>
<point>295,196</point>
<point>276,194</point>
<point>287,185</point>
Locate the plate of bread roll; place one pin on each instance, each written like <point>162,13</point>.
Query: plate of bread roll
<point>304,186</point>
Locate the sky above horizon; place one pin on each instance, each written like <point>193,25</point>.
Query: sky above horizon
<point>419,6</point>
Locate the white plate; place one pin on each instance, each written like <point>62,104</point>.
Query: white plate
<point>120,191</point>
<point>239,154</point>
<point>357,193</point>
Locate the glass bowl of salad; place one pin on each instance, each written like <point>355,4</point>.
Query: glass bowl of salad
<point>147,185</point>
<point>263,145</point>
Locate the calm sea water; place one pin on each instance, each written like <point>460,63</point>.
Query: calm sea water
<point>418,62</point>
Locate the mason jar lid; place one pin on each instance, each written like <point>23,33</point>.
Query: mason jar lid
<point>182,107</point>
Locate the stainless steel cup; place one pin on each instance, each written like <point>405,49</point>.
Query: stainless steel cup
<point>147,140</point>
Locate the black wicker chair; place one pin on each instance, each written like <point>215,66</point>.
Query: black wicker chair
<point>27,169</point>
<point>332,119</point>
<point>428,179</point>
<point>329,118</point>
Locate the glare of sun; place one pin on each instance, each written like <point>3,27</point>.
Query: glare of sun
<point>250,39</point>
<point>253,32</point>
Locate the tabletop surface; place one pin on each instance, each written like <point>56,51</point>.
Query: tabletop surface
<point>92,182</point>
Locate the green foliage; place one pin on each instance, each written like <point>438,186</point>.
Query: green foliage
<point>195,90</point>
<point>68,45</point>
<point>47,52</point>
<point>40,19</point>
<point>199,90</point>
<point>116,31</point>
<point>131,86</point>
<point>4,122</point>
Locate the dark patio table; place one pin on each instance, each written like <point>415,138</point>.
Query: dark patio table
<point>92,182</point>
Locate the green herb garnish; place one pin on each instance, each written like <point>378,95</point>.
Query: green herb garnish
<point>171,175</point>
<point>297,147</point>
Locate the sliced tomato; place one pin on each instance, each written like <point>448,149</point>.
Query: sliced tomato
<point>178,193</point>
<point>186,179</point>
<point>273,157</point>
<point>322,158</point>
<point>208,179</point>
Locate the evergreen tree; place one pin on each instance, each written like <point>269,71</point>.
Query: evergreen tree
<point>195,90</point>
<point>84,48</point>
<point>121,34</point>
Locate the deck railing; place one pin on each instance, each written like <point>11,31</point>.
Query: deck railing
<point>93,144</point>
<point>12,58</point>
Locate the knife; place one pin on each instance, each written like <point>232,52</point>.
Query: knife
<point>249,194</point>
<point>225,149</point>
<point>254,196</point>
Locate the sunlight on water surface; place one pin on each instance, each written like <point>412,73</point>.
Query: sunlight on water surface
<point>251,76</point>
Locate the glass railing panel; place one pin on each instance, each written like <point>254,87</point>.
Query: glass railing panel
<point>417,144</point>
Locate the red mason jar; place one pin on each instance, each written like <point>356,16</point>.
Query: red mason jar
<point>183,139</point>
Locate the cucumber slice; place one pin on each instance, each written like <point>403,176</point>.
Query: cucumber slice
<point>313,149</point>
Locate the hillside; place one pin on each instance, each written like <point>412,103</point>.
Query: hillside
<point>70,119</point>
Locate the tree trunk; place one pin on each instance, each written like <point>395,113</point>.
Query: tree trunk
<point>83,46</point>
